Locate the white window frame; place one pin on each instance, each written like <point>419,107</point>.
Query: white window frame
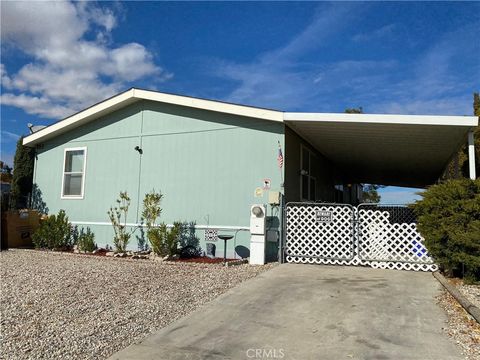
<point>82,195</point>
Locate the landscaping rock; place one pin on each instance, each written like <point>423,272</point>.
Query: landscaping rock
<point>86,307</point>
<point>110,253</point>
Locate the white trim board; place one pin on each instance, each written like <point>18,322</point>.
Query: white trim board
<point>133,95</point>
<point>469,121</point>
<point>198,227</point>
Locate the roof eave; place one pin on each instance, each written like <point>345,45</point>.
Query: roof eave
<point>133,95</point>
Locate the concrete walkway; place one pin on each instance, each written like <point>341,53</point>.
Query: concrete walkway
<point>312,312</point>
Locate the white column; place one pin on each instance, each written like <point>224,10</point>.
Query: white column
<point>471,156</point>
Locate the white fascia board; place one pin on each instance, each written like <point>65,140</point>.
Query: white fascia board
<point>79,118</point>
<point>210,105</point>
<point>133,95</point>
<point>468,121</point>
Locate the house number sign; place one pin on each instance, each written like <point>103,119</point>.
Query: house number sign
<point>323,216</point>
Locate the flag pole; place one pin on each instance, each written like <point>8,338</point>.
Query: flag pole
<point>280,162</point>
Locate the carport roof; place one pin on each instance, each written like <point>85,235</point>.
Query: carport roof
<point>401,150</point>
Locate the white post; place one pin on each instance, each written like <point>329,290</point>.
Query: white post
<point>471,156</point>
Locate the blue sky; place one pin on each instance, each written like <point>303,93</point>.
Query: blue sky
<point>388,57</point>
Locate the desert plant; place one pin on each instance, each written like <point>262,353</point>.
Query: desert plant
<point>164,241</point>
<point>86,240</point>
<point>449,220</point>
<point>189,241</point>
<point>151,208</point>
<point>55,232</point>
<point>118,218</point>
<point>74,234</point>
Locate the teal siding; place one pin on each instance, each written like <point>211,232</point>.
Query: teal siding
<point>206,164</point>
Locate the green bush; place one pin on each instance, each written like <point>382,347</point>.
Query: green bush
<point>86,240</point>
<point>55,232</point>
<point>164,241</point>
<point>449,220</point>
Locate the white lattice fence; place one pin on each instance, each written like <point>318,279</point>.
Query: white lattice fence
<point>386,237</point>
<point>319,233</point>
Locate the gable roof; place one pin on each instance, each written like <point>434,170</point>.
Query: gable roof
<point>133,95</point>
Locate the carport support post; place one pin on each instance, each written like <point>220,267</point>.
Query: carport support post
<point>471,155</point>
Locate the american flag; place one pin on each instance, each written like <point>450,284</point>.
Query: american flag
<point>280,156</point>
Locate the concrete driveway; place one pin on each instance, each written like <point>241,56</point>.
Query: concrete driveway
<point>312,312</point>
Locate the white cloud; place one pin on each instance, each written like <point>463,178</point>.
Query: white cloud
<point>67,71</point>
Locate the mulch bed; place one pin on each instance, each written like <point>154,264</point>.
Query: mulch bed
<point>203,260</point>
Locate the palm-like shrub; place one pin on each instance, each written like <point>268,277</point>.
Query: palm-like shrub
<point>118,218</point>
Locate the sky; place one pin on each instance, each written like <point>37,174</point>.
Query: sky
<point>387,57</point>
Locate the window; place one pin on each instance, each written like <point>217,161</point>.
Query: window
<point>73,181</point>
<point>308,182</point>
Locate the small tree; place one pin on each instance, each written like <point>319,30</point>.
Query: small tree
<point>22,174</point>
<point>118,218</point>
<point>449,220</point>
<point>358,110</point>
<point>370,193</point>
<point>5,172</point>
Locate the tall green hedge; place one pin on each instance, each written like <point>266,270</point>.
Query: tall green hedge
<point>449,220</point>
<point>23,163</point>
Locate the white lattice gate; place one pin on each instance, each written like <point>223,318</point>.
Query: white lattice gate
<point>380,236</point>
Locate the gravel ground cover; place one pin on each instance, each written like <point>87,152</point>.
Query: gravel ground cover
<point>471,292</point>
<point>464,330</point>
<point>56,305</point>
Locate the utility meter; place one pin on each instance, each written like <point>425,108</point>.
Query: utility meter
<point>258,217</point>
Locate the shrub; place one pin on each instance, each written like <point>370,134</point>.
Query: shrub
<point>118,218</point>
<point>86,240</point>
<point>449,220</point>
<point>164,241</point>
<point>54,232</point>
